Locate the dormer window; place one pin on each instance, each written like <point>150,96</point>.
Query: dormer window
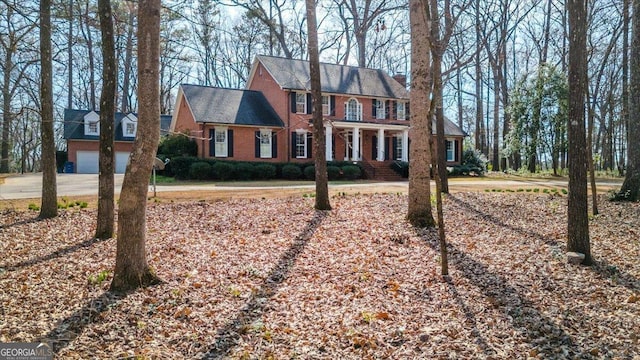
<point>91,124</point>
<point>129,126</point>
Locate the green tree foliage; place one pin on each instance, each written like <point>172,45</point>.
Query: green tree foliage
<point>542,136</point>
<point>177,145</point>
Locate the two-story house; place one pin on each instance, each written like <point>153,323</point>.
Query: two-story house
<point>365,112</point>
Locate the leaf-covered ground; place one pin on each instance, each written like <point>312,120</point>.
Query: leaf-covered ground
<point>275,279</point>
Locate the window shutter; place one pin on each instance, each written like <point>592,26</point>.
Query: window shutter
<point>395,110</point>
<point>387,107</point>
<point>212,142</point>
<point>406,111</point>
<point>292,95</point>
<point>456,151</point>
<point>374,147</point>
<point>274,145</point>
<point>387,154</point>
<point>346,116</point>
<point>229,143</point>
<point>394,143</point>
<point>309,145</point>
<point>374,108</point>
<point>257,144</point>
<point>333,147</point>
<point>293,145</point>
<point>332,105</point>
<point>309,104</point>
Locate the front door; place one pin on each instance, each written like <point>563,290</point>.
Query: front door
<point>348,139</point>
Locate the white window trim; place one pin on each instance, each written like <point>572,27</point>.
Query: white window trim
<point>358,110</point>
<point>381,109</point>
<point>129,119</point>
<point>302,133</point>
<point>453,149</point>
<point>224,150</point>
<point>266,152</point>
<point>326,106</point>
<point>303,103</point>
<point>404,110</point>
<point>90,118</point>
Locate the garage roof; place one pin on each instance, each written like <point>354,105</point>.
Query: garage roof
<point>74,125</point>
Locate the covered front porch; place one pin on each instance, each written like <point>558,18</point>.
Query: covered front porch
<point>358,141</point>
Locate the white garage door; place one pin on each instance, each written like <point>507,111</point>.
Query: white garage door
<point>121,162</point>
<point>87,162</point>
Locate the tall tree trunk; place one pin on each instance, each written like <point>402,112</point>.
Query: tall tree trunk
<point>480,131</point>
<point>322,187</point>
<point>578,218</point>
<point>104,228</point>
<point>70,57</point>
<point>132,270</point>
<point>589,149</point>
<point>125,106</point>
<point>625,80</point>
<point>49,207</point>
<point>7,117</point>
<point>419,210</point>
<point>631,187</point>
<point>437,51</point>
<point>495,153</point>
<point>92,68</point>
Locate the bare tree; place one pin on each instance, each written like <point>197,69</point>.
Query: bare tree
<point>49,207</point>
<point>104,228</point>
<point>419,211</point>
<point>322,188</point>
<point>578,217</point>
<point>132,270</point>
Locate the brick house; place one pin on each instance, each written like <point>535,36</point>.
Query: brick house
<point>366,113</point>
<point>82,133</point>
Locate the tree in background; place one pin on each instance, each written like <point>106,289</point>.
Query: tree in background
<point>419,212</point>
<point>132,270</point>
<point>49,206</point>
<point>630,190</point>
<point>104,228</point>
<point>578,217</point>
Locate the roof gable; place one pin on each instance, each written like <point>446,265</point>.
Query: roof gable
<point>337,79</point>
<point>229,106</point>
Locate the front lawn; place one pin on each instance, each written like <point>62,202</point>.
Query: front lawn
<point>275,279</point>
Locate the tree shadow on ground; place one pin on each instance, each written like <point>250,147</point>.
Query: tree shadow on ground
<point>503,298</point>
<point>56,254</point>
<point>601,267</point>
<point>228,335</point>
<point>21,222</point>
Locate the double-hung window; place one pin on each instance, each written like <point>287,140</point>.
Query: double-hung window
<point>93,127</point>
<point>380,109</point>
<point>353,110</point>
<point>401,113</point>
<point>130,129</point>
<point>301,145</point>
<point>265,144</point>
<point>301,103</point>
<point>451,150</point>
<point>326,105</point>
<point>220,138</point>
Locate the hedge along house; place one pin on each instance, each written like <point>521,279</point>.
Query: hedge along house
<point>365,112</point>
<point>82,133</point>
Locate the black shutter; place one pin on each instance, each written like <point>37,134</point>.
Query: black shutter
<point>456,151</point>
<point>293,102</point>
<point>394,143</point>
<point>229,143</point>
<point>309,104</point>
<point>374,147</point>
<point>212,142</point>
<point>406,111</point>
<point>333,147</point>
<point>374,110</point>
<point>395,110</point>
<point>387,154</point>
<point>332,104</point>
<point>257,142</point>
<point>387,107</point>
<point>309,145</point>
<point>293,145</point>
<point>274,145</point>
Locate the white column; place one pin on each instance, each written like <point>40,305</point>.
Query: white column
<point>380,144</point>
<point>328,143</point>
<point>405,145</point>
<point>356,145</point>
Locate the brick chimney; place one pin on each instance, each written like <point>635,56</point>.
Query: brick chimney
<point>401,78</point>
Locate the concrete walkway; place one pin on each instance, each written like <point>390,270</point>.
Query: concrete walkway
<point>30,185</point>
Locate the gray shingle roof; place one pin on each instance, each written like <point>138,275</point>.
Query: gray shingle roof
<point>336,79</point>
<point>74,125</point>
<point>230,106</point>
<point>450,128</point>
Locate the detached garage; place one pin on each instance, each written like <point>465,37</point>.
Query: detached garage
<point>82,132</point>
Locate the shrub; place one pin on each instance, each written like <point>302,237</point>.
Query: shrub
<point>179,167</point>
<point>200,171</point>
<point>401,167</point>
<point>310,172</point>
<point>475,161</point>
<point>177,145</point>
<point>265,171</point>
<point>351,172</point>
<point>222,171</point>
<point>291,172</point>
<point>244,171</point>
<point>333,172</point>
